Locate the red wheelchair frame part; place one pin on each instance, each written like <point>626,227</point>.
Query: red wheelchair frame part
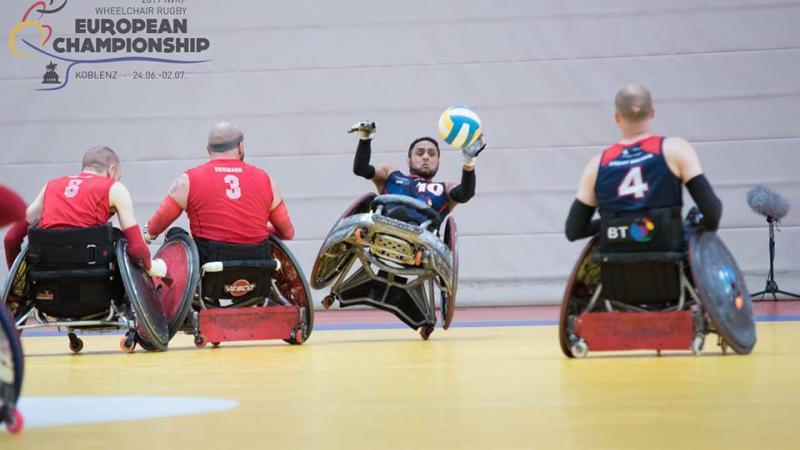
<point>247,324</point>
<point>606,331</point>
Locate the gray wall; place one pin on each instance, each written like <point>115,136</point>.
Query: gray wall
<point>542,75</point>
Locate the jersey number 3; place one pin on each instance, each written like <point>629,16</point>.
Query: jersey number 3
<point>233,192</point>
<point>633,184</point>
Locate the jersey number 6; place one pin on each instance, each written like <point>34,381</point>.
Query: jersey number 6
<point>233,192</point>
<point>633,184</point>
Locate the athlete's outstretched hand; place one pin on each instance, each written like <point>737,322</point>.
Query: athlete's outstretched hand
<point>365,129</point>
<point>471,151</point>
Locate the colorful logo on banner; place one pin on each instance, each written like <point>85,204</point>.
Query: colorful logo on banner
<point>116,34</point>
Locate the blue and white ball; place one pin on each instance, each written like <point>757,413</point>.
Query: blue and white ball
<point>459,126</point>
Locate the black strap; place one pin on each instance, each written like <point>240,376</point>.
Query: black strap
<point>225,146</point>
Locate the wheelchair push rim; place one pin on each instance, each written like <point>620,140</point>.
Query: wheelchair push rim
<point>293,285</point>
<point>179,251</point>
<point>150,321</point>
<point>722,291</point>
<point>583,261</point>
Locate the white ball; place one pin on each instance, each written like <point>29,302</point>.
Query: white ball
<point>459,126</point>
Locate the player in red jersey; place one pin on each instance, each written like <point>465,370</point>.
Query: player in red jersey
<point>88,199</point>
<point>226,199</point>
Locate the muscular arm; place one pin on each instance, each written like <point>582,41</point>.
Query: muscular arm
<point>281,223</point>
<point>171,207</point>
<point>34,211</point>
<point>363,168</point>
<point>579,221</point>
<point>685,164</point>
<point>120,200</point>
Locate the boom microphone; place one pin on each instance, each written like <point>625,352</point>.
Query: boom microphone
<point>767,202</point>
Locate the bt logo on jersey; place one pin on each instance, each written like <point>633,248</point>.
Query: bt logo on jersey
<point>641,230</point>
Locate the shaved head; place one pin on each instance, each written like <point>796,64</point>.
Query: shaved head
<point>634,103</point>
<point>224,136</point>
<point>100,158</point>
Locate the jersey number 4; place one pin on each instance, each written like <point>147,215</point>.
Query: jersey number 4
<point>233,192</point>
<point>633,184</point>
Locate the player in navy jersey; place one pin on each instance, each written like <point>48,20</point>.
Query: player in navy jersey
<point>423,163</point>
<point>641,172</point>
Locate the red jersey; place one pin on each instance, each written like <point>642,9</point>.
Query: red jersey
<point>229,201</point>
<point>77,201</point>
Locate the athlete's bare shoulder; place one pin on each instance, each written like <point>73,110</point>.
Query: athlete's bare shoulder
<point>681,158</point>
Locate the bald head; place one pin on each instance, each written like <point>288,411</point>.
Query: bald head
<point>634,103</point>
<point>224,136</point>
<point>100,158</point>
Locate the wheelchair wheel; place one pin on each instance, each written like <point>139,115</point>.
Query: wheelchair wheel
<point>10,357</point>
<point>584,278</point>
<point>448,300</point>
<point>721,287</point>
<point>326,268</point>
<point>15,289</point>
<point>292,284</point>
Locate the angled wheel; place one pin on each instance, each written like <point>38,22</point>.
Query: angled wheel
<point>582,281</point>
<point>293,286</point>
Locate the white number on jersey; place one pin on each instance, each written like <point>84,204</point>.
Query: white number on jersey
<point>72,188</point>
<point>633,184</point>
<point>234,191</point>
<point>434,188</point>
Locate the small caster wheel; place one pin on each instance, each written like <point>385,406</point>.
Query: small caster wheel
<point>327,302</point>
<point>296,338</point>
<point>200,341</point>
<point>697,344</point>
<point>128,342</point>
<point>75,343</point>
<point>579,349</point>
<point>426,331</point>
<point>14,421</point>
<point>724,345</point>
<point>215,344</point>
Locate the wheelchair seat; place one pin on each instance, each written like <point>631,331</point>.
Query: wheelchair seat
<point>250,292</point>
<point>73,272</point>
<point>641,256</point>
<point>236,272</point>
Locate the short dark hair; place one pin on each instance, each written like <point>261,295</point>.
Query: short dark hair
<point>424,138</point>
<point>99,158</point>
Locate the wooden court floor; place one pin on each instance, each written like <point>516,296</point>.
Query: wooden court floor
<point>497,382</point>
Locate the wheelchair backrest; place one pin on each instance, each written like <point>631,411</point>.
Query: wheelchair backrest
<point>73,272</point>
<point>640,255</point>
<point>235,282</point>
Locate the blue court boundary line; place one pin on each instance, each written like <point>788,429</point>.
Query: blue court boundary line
<point>400,326</point>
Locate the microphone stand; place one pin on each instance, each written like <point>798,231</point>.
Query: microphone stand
<point>772,287</point>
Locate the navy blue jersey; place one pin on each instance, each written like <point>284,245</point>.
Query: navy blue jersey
<point>636,177</point>
<point>433,194</point>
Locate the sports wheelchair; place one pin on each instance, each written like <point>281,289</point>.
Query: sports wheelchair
<point>401,264</point>
<point>638,286</point>
<point>11,370</point>
<point>82,279</point>
<point>250,292</point>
